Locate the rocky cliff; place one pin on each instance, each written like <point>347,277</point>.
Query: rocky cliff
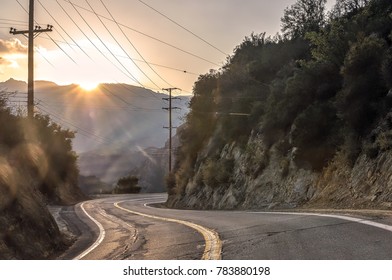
<point>262,177</point>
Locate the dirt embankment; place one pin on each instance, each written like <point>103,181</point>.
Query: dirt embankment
<point>27,229</point>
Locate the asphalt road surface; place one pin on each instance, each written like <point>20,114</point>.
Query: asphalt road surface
<point>128,227</point>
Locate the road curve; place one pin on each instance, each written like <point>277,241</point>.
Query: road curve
<point>125,227</point>
<point>213,245</point>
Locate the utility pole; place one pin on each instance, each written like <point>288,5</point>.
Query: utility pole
<point>170,127</point>
<point>31,34</point>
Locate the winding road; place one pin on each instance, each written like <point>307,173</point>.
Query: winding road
<point>128,227</point>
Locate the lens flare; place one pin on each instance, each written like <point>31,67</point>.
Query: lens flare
<point>8,184</point>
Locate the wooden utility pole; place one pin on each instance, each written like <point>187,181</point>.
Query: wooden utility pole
<point>170,127</point>
<point>31,34</point>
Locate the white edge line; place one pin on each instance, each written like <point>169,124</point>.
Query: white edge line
<point>347,218</point>
<point>99,239</point>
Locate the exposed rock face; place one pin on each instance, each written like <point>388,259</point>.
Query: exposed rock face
<point>264,177</point>
<point>367,185</point>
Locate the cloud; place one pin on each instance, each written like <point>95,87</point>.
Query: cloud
<point>11,53</point>
<point>13,46</point>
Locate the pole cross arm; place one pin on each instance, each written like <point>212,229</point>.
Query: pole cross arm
<point>37,29</point>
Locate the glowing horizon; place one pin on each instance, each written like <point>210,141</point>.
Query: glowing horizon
<point>88,86</point>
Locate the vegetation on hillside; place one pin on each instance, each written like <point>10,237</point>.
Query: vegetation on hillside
<point>316,90</point>
<point>37,166</point>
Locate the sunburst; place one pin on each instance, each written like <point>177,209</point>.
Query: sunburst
<point>88,86</point>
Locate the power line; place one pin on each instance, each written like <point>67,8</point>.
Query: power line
<point>41,54</point>
<point>79,129</point>
<point>150,92</point>
<point>146,35</point>
<point>141,61</point>
<point>133,77</point>
<point>14,20</point>
<point>125,35</point>
<point>77,27</point>
<point>183,27</point>
<point>91,42</point>
<point>62,49</point>
<point>50,38</point>
<point>56,30</point>
<point>119,98</point>
<point>114,38</point>
<point>99,107</point>
<point>103,43</point>
<point>63,30</point>
<point>14,24</point>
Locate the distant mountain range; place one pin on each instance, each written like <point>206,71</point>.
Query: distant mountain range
<point>115,123</point>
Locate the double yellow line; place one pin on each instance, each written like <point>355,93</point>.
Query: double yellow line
<point>213,247</point>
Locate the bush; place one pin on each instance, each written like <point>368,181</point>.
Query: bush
<point>315,135</point>
<point>363,83</point>
<point>128,184</point>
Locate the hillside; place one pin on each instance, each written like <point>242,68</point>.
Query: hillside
<point>37,167</point>
<point>302,119</point>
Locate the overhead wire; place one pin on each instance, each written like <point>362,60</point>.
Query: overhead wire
<point>134,47</point>
<point>122,48</point>
<point>14,24</point>
<point>79,129</point>
<point>146,35</point>
<point>182,27</point>
<point>141,61</point>
<point>119,25</point>
<point>67,124</point>
<point>61,49</point>
<point>54,41</point>
<point>72,126</point>
<point>91,42</point>
<point>113,19</point>
<point>50,36</point>
<point>13,20</point>
<point>65,31</point>
<point>98,107</point>
<point>105,88</point>
<point>105,45</point>
<point>44,57</point>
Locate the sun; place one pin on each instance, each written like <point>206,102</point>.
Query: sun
<point>88,86</point>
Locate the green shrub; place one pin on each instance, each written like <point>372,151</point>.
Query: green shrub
<point>128,184</point>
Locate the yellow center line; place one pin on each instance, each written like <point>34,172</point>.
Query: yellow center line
<point>213,247</point>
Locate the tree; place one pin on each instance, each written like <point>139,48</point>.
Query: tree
<point>363,83</point>
<point>128,184</point>
<point>302,17</point>
<point>344,7</point>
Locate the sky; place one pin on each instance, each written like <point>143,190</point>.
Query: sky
<point>149,43</point>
